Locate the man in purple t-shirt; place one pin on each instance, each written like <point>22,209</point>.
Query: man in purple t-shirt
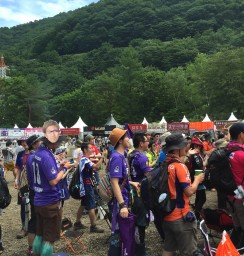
<point>47,201</point>
<point>138,163</point>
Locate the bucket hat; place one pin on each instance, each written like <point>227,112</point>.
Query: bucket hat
<point>174,141</point>
<point>163,137</point>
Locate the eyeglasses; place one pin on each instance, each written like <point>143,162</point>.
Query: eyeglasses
<point>53,131</point>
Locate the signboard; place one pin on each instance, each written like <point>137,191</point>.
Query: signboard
<point>201,126</point>
<point>178,127</point>
<point>98,130</point>
<point>70,131</point>
<point>138,127</point>
<point>222,124</point>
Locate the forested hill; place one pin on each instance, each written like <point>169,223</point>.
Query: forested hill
<point>133,58</point>
<point>121,22</point>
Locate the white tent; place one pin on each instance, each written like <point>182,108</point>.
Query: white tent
<point>16,126</point>
<point>79,124</point>
<point>60,125</point>
<point>29,126</point>
<point>232,117</point>
<point>145,121</point>
<point>206,119</point>
<point>184,120</point>
<point>163,121</point>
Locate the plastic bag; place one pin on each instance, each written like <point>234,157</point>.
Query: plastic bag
<point>226,247</point>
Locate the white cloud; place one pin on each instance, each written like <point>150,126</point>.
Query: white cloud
<point>13,12</point>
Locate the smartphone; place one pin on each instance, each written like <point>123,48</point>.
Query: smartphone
<point>71,160</point>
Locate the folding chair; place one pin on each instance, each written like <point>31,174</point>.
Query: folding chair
<point>73,241</point>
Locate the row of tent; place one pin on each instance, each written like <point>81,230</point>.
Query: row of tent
<point>111,121</point>
<point>185,120</point>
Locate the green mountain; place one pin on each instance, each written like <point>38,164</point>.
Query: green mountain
<point>133,58</point>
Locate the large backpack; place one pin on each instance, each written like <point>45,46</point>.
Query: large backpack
<point>219,169</point>
<point>5,197</point>
<point>155,192</point>
<point>74,186</point>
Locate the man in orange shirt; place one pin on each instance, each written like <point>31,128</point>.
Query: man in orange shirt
<point>180,225</point>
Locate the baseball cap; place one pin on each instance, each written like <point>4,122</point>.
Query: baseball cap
<point>32,139</point>
<point>89,137</point>
<point>236,129</point>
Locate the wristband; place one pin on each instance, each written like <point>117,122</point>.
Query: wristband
<point>64,169</point>
<point>122,205</point>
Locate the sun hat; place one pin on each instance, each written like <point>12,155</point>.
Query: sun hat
<point>221,143</point>
<point>163,137</point>
<point>32,139</point>
<point>115,135</point>
<point>153,134</point>
<point>196,141</point>
<point>174,141</point>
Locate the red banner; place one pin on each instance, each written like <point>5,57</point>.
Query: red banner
<point>178,127</point>
<point>70,131</point>
<point>137,127</point>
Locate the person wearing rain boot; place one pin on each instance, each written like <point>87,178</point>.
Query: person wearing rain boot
<point>47,201</point>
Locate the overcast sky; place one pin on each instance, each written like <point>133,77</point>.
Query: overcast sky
<point>15,12</point>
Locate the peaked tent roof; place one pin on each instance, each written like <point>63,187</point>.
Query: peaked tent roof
<point>79,124</point>
<point>29,126</point>
<point>184,120</point>
<point>206,119</point>
<point>16,126</point>
<point>163,121</point>
<point>145,121</point>
<point>60,125</point>
<point>111,121</point>
<point>232,117</point>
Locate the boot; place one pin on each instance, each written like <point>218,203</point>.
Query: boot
<point>140,250</point>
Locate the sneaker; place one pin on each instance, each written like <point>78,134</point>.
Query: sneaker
<point>21,234</point>
<point>95,229</point>
<point>79,225</point>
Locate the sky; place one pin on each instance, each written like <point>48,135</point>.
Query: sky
<point>15,12</point>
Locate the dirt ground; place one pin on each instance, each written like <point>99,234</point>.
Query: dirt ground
<point>96,244</point>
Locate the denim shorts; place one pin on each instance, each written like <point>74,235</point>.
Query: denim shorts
<point>89,200</point>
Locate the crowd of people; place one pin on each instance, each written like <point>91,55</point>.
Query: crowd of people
<point>127,161</point>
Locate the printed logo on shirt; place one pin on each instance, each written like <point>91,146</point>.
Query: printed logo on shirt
<point>116,169</point>
<point>53,171</point>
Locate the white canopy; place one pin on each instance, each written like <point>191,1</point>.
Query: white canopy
<point>16,126</point>
<point>29,126</point>
<point>79,124</point>
<point>163,121</point>
<point>184,120</point>
<point>145,121</point>
<point>206,119</point>
<point>60,125</point>
<point>232,117</point>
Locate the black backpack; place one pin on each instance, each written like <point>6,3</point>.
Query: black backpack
<point>154,186</point>
<point>219,171</point>
<point>5,197</point>
<point>74,186</point>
